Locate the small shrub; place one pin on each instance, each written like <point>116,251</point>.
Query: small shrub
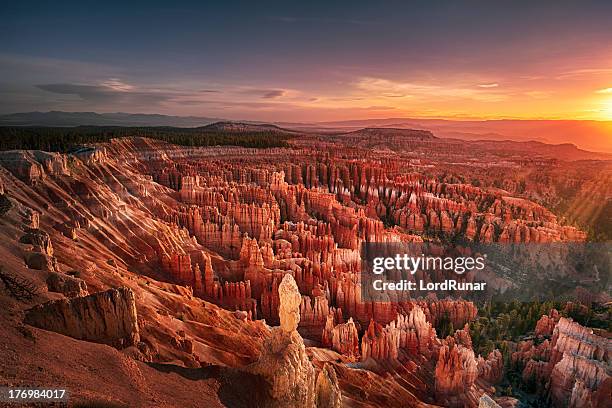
<point>18,287</point>
<point>5,204</point>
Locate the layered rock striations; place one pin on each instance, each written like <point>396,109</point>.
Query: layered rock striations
<point>105,317</point>
<point>572,368</point>
<point>228,225</point>
<point>455,374</point>
<point>581,363</point>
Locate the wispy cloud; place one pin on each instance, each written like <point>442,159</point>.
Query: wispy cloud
<point>491,85</point>
<point>379,108</point>
<point>262,93</point>
<point>604,91</point>
<point>395,95</point>
<point>109,91</point>
<point>584,72</point>
<point>385,87</point>
<point>117,85</point>
<point>274,94</point>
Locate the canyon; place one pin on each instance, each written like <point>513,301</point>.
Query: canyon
<point>215,268</point>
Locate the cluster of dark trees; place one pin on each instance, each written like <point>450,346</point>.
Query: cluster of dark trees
<point>5,204</point>
<point>65,139</point>
<point>501,321</point>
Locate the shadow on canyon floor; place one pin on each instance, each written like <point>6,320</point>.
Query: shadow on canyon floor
<point>237,389</point>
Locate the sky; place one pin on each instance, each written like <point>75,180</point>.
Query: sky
<point>310,61</point>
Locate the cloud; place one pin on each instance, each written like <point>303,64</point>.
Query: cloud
<point>604,91</point>
<point>195,102</point>
<point>426,91</point>
<point>276,93</point>
<point>584,72</point>
<point>491,85</point>
<point>378,107</point>
<point>117,85</point>
<point>110,91</point>
<point>85,92</point>
<point>263,93</point>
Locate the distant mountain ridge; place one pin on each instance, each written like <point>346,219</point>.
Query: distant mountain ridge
<point>416,134</point>
<point>240,127</point>
<point>562,151</point>
<point>589,135</point>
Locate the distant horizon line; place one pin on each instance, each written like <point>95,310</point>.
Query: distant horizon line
<point>416,117</point>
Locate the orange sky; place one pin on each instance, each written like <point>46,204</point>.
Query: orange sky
<point>311,61</point>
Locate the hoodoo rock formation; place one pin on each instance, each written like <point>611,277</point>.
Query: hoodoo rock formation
<point>581,363</point>
<point>456,372</point>
<point>284,362</point>
<point>573,368</point>
<point>344,337</point>
<point>105,317</point>
<point>547,323</point>
<point>210,245</point>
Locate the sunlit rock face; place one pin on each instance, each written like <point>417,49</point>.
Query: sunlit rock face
<point>105,317</point>
<point>290,300</point>
<point>244,257</point>
<point>284,362</point>
<point>573,367</point>
<point>581,363</point>
<point>487,402</point>
<point>547,323</point>
<point>456,372</point>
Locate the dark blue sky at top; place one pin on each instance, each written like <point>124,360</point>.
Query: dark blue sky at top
<point>227,34</point>
<point>315,44</point>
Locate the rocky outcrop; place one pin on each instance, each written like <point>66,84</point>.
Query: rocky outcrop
<point>41,254</point>
<point>411,334</point>
<point>458,312</point>
<point>546,324</point>
<point>105,317</point>
<point>40,240</point>
<point>285,365</point>
<point>229,224</point>
<point>487,402</point>
<point>572,367</point>
<point>40,261</point>
<point>455,374</point>
<point>575,379</point>
<point>491,369</point>
<point>570,337</point>
<point>290,300</point>
<point>66,284</point>
<point>581,362</point>
<point>342,338</point>
<point>327,390</point>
